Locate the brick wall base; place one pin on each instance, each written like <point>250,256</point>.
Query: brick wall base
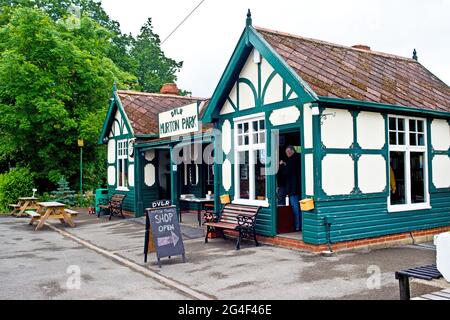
<point>413,237</point>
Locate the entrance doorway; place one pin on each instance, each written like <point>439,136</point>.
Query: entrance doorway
<point>288,178</point>
<point>164,175</point>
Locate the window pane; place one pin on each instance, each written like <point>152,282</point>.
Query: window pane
<point>240,128</point>
<point>419,126</point>
<point>401,124</point>
<point>397,178</point>
<point>392,124</point>
<point>392,138</point>
<point>412,139</point>
<point>255,138</point>
<point>401,139</point>
<point>421,140</point>
<point>246,140</point>
<point>125,178</point>
<point>417,175</point>
<point>246,127</point>
<point>260,175</point>
<point>120,174</point>
<point>255,126</point>
<point>261,125</point>
<point>244,183</point>
<point>412,125</point>
<point>262,137</point>
<point>240,140</point>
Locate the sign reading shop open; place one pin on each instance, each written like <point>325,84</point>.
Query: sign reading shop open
<point>178,121</point>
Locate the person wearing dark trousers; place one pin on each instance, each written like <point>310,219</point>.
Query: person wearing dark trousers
<point>293,188</point>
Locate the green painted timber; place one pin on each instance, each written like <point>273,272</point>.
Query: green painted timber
<point>366,218</point>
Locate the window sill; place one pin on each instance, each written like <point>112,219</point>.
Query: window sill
<point>122,189</point>
<point>260,203</point>
<point>403,208</point>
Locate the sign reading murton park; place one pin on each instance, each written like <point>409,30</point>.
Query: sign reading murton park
<point>178,121</point>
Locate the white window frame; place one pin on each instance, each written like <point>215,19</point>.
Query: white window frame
<point>251,148</point>
<point>407,149</point>
<point>122,156</point>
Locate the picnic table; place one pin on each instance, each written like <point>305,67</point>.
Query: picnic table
<point>202,201</point>
<point>51,210</point>
<point>24,203</point>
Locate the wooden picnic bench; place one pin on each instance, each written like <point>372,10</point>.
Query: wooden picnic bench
<point>113,205</point>
<point>428,272</point>
<point>51,210</point>
<point>233,217</point>
<point>24,203</point>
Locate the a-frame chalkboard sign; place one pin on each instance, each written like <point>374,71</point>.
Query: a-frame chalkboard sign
<point>162,231</point>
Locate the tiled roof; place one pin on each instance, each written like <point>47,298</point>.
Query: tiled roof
<point>333,70</point>
<point>142,108</point>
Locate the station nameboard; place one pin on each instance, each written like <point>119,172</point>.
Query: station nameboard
<point>178,121</point>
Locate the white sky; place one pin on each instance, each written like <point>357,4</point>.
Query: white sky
<point>207,39</point>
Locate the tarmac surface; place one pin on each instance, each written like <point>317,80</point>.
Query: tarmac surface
<point>46,264</point>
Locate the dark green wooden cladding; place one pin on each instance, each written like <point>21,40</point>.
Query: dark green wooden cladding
<point>366,218</point>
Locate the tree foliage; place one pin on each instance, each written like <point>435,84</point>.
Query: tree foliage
<point>56,75</point>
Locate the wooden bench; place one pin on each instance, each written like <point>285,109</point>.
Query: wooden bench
<point>34,216</point>
<point>73,213</point>
<point>113,206</point>
<point>233,217</point>
<point>429,273</point>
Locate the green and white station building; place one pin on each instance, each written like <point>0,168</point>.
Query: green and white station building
<point>372,130</point>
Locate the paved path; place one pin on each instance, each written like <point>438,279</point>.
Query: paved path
<point>34,265</point>
<point>215,270</point>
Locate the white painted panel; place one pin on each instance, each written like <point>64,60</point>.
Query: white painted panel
<point>309,175</point>
<point>149,175</point>
<point>338,174</point>
<point>111,151</point>
<point>226,175</point>
<point>118,117</point>
<point>131,175</point>
<point>111,175</point>
<point>308,126</point>
<point>441,171</point>
<point>250,71</point>
<point>284,116</point>
<point>117,131</point>
<point>227,108</point>
<point>337,128</point>
<point>149,155</point>
<point>226,137</point>
<point>371,130</point>
<point>440,134</point>
<point>233,95</point>
<point>266,71</point>
<point>246,97</point>
<point>274,92</point>
<point>372,173</point>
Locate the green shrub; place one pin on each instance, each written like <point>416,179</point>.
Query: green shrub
<point>16,183</point>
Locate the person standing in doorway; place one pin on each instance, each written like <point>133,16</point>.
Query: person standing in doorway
<point>292,168</point>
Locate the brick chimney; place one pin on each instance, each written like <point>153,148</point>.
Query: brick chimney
<point>170,88</point>
<point>362,47</point>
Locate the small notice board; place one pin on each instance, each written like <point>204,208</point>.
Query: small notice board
<point>162,232</point>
